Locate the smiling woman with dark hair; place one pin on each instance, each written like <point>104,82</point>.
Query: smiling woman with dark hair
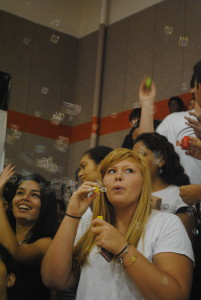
<point>29,228</point>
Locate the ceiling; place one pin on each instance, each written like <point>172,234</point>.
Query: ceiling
<point>74,17</point>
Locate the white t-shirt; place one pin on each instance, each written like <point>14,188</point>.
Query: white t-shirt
<point>173,127</point>
<point>171,201</point>
<point>101,280</point>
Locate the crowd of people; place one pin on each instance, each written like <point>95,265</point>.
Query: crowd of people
<point>132,228</point>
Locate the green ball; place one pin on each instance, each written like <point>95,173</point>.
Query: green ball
<point>148,82</point>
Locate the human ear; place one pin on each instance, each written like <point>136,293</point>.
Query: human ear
<point>11,280</point>
<point>161,163</point>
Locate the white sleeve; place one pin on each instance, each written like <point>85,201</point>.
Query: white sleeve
<point>162,128</point>
<point>173,237</point>
<point>179,203</point>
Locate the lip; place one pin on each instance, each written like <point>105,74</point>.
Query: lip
<point>82,179</point>
<point>118,188</point>
<point>24,207</point>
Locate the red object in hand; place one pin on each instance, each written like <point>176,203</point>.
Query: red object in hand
<point>185,143</point>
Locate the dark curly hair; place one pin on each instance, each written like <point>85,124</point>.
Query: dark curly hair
<point>172,170</point>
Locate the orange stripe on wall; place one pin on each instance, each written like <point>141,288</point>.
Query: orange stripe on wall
<point>107,125</point>
<point>37,126</point>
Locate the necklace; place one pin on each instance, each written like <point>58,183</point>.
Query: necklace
<point>22,242</point>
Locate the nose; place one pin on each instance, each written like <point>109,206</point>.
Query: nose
<point>79,173</point>
<point>118,176</point>
<point>26,196</point>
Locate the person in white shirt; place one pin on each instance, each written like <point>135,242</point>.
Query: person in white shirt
<point>167,175</point>
<point>151,255</point>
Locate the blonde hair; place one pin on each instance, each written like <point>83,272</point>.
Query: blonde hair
<point>101,206</point>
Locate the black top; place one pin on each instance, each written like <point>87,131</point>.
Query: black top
<point>33,287</point>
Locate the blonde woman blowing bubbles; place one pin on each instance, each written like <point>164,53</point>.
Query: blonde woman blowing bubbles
<point>152,254</point>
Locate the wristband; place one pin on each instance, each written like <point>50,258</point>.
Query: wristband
<point>74,217</point>
<point>122,251</point>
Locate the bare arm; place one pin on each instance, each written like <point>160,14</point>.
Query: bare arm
<point>189,223</point>
<point>190,194</point>
<point>56,268</point>
<point>147,97</point>
<point>167,278</point>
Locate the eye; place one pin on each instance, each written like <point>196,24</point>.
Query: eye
<point>111,171</point>
<point>129,170</point>
<point>19,193</point>
<point>35,195</point>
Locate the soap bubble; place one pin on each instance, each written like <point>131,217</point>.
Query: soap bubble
<point>39,149</point>
<point>136,105</point>
<point>195,231</point>
<point>9,139</point>
<point>71,108</point>
<point>44,90</point>
<point>183,41</point>
<point>168,30</point>
<point>55,22</point>
<point>56,184</point>
<point>190,211</point>
<point>13,178</point>
<point>114,115</point>
<point>17,134</point>
<point>67,196</point>
<point>48,165</point>
<point>26,41</point>
<point>54,39</point>
<point>37,114</point>
<point>157,156</point>
<point>184,86</point>
<point>62,143</point>
<point>72,185</point>
<point>94,127</point>
<point>57,118</point>
<point>7,161</point>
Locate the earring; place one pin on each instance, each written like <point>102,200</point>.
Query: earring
<point>160,170</point>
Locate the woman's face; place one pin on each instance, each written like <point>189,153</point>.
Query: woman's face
<point>151,157</point>
<point>124,184</point>
<point>26,202</point>
<point>89,170</point>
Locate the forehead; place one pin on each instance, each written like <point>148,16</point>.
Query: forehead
<point>86,158</point>
<point>29,184</point>
<point>131,161</point>
<point>173,102</point>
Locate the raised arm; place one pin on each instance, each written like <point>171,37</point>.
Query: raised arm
<point>146,97</point>
<point>56,268</point>
<point>195,122</point>
<point>26,253</point>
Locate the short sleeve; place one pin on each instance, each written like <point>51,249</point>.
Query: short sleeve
<point>173,237</point>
